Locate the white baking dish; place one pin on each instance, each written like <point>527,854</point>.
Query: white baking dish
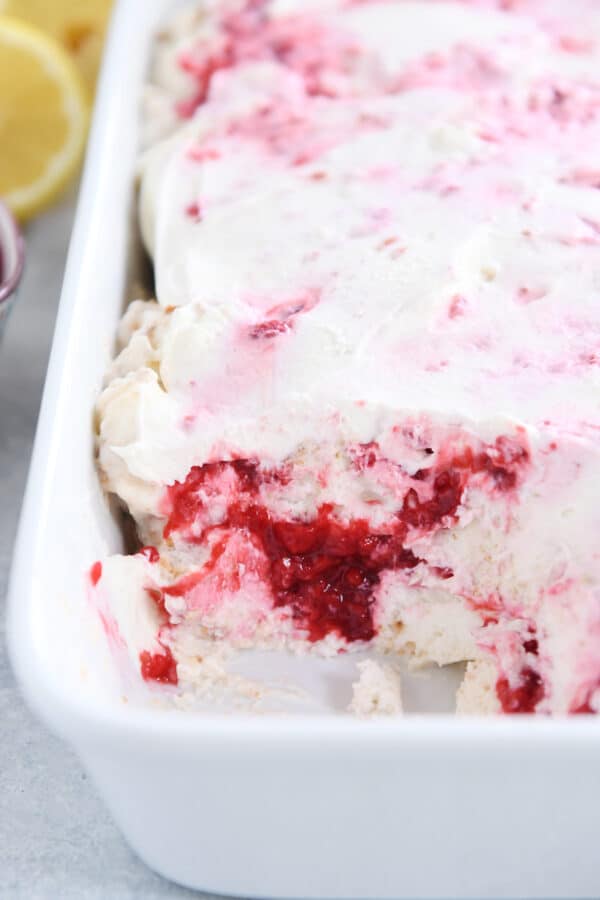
<point>297,806</point>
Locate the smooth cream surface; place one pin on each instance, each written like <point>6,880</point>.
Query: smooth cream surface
<point>425,239</point>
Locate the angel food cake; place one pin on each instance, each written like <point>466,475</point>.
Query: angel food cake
<point>363,411</point>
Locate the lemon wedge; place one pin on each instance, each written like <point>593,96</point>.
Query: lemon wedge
<point>79,26</point>
<point>43,117</point>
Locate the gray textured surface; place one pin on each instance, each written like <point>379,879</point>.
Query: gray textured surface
<point>57,842</point>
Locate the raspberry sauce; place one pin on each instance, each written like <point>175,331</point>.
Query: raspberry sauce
<point>159,667</point>
<point>96,573</point>
<point>151,554</point>
<point>324,570</point>
<point>525,696</point>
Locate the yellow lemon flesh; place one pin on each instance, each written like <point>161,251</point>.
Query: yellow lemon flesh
<point>79,25</point>
<point>43,117</point>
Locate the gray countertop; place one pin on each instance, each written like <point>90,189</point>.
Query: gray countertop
<point>56,839</point>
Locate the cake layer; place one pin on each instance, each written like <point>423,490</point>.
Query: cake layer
<point>365,406</point>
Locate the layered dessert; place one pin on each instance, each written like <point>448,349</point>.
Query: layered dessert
<point>363,411</point>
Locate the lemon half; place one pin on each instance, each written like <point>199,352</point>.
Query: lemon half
<point>79,25</point>
<point>43,117</point>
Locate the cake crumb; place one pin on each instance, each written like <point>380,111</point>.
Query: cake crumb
<point>476,695</point>
<point>377,691</point>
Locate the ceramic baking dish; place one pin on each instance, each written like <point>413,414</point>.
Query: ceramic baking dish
<point>271,806</point>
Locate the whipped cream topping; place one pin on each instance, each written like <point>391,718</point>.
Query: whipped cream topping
<point>424,230</point>
<point>368,219</point>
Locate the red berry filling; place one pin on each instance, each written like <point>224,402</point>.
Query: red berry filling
<point>523,697</point>
<point>324,570</point>
<point>584,709</point>
<point>96,573</point>
<point>151,554</point>
<point>269,329</point>
<point>159,667</point>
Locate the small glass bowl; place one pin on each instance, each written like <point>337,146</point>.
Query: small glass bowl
<point>12,258</point>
